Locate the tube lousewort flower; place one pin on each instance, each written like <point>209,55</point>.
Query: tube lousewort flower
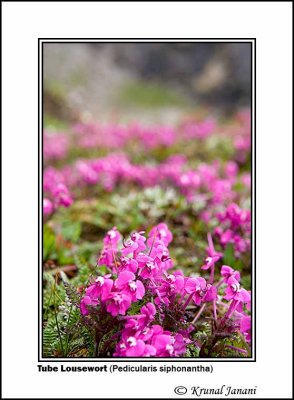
<point>148,302</point>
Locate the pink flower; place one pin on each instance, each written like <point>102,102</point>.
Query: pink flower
<point>213,256</point>
<point>167,345</point>
<point>149,312</point>
<point>130,347</point>
<point>128,264</point>
<point>228,272</point>
<point>47,207</point>
<point>245,327</point>
<point>118,303</point>
<point>127,283</point>
<point>160,232</point>
<point>210,261</point>
<point>112,237</point>
<point>134,244</point>
<point>163,345</point>
<point>62,195</point>
<point>169,288</point>
<point>235,292</point>
<point>201,291</point>
<point>106,257</point>
<point>130,246</point>
<point>149,269</point>
<point>87,301</point>
<point>101,288</point>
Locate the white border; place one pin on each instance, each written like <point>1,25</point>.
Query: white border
<point>271,24</point>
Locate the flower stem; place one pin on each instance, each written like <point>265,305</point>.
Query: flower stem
<point>198,314</point>
<point>237,349</point>
<point>187,301</point>
<point>211,279</point>
<point>214,310</point>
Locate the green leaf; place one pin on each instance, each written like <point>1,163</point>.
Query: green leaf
<point>229,258</point>
<point>71,231</point>
<point>48,242</point>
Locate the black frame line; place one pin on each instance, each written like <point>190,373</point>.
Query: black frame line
<point>42,41</point>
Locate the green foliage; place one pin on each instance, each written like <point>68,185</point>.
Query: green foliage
<point>150,95</point>
<point>84,271</point>
<point>48,242</point>
<point>229,257</point>
<point>71,230</point>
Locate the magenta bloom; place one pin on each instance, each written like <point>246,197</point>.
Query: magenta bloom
<point>118,303</point>
<point>134,288</point>
<point>101,288</point>
<point>106,257</point>
<point>167,345</point>
<point>228,272</point>
<point>210,261</point>
<point>201,291</point>
<point>245,327</point>
<point>128,264</point>
<point>134,347</point>
<point>149,312</point>
<point>160,232</point>
<point>134,244</point>
<point>87,301</point>
<point>130,347</point>
<point>62,195</point>
<point>169,288</point>
<point>112,237</point>
<point>140,276</point>
<point>129,247</point>
<point>235,292</point>
<point>47,207</point>
<point>213,256</point>
<point>163,345</point>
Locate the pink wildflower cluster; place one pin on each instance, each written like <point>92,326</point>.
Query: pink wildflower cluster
<point>111,136</point>
<point>235,228</point>
<point>114,136</point>
<point>56,192</point>
<point>55,145</point>
<point>212,183</point>
<point>140,278</point>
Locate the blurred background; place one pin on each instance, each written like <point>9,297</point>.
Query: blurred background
<point>162,81</point>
